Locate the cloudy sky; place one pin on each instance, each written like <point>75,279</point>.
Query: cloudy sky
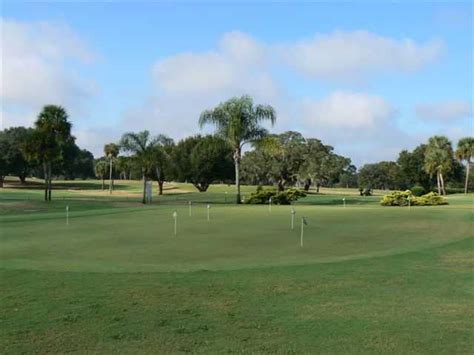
<point>369,79</point>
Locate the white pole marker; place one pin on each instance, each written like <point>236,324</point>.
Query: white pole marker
<point>344,202</point>
<point>270,204</point>
<point>409,203</point>
<point>208,216</point>
<point>190,208</point>
<point>175,216</point>
<point>67,215</point>
<point>293,212</point>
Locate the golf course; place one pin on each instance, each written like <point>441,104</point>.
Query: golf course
<point>111,274</point>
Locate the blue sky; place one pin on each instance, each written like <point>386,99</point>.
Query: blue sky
<point>368,78</point>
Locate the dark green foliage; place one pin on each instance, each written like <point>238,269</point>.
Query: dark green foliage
<point>417,190</point>
<point>382,175</point>
<point>285,197</point>
<point>12,158</point>
<point>405,198</point>
<point>203,160</point>
<point>365,192</point>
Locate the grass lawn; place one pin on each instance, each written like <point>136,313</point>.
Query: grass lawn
<point>368,278</point>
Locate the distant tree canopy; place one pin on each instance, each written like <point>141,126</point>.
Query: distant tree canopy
<point>285,160</point>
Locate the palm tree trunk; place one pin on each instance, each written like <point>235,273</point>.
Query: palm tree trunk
<point>439,183</point>
<point>237,173</point>
<point>144,187</point>
<point>442,183</point>
<point>110,176</point>
<point>45,172</point>
<point>468,167</point>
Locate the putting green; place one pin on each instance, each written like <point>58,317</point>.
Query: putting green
<point>236,237</point>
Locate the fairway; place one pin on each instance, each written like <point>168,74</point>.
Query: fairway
<point>368,278</point>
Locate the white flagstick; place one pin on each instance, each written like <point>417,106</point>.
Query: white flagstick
<point>67,215</point>
<point>190,208</point>
<point>208,208</point>
<point>175,216</point>
<point>409,203</point>
<point>225,199</point>
<point>344,202</point>
<point>270,204</point>
<point>293,212</point>
<point>302,229</point>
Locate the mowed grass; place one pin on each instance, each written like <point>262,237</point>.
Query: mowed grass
<point>367,280</point>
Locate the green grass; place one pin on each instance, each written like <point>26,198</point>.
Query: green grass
<point>369,279</point>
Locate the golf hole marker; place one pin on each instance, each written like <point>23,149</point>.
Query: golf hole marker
<point>190,203</point>
<point>67,215</point>
<point>270,204</point>
<point>208,209</point>
<point>344,202</point>
<point>175,217</point>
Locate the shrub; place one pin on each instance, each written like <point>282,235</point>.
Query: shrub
<point>365,192</point>
<point>430,199</point>
<point>400,198</point>
<point>278,198</point>
<point>417,190</point>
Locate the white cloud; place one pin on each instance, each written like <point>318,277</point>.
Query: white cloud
<point>444,111</point>
<point>38,61</point>
<point>354,55</point>
<point>347,110</point>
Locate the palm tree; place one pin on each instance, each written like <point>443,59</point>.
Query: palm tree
<point>111,151</point>
<point>464,152</point>
<point>100,170</point>
<point>238,121</point>
<point>439,159</point>
<point>142,145</point>
<point>52,133</point>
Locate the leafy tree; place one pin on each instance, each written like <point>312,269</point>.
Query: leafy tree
<point>124,167</point>
<point>382,175</point>
<point>51,136</point>
<point>464,152</point>
<point>142,145</point>
<point>412,170</point>
<point>111,151</point>
<point>239,122</point>
<point>202,160</point>
<point>101,171</point>
<point>162,162</point>
<point>285,154</point>
<point>439,160</point>
<point>13,160</point>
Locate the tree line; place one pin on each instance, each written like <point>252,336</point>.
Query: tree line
<point>241,150</point>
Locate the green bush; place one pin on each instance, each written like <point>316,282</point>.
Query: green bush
<point>278,198</point>
<point>430,199</point>
<point>417,190</point>
<point>401,198</point>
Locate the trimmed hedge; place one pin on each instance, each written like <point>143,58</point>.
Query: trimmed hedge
<point>262,196</point>
<point>400,198</point>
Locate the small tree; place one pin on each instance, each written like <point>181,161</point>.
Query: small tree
<point>439,160</point>
<point>465,152</point>
<point>100,170</point>
<point>142,145</point>
<point>111,151</point>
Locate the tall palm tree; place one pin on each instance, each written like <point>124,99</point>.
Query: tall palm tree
<point>439,159</point>
<point>52,133</point>
<point>238,121</point>
<point>142,145</point>
<point>111,151</point>
<point>465,152</point>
